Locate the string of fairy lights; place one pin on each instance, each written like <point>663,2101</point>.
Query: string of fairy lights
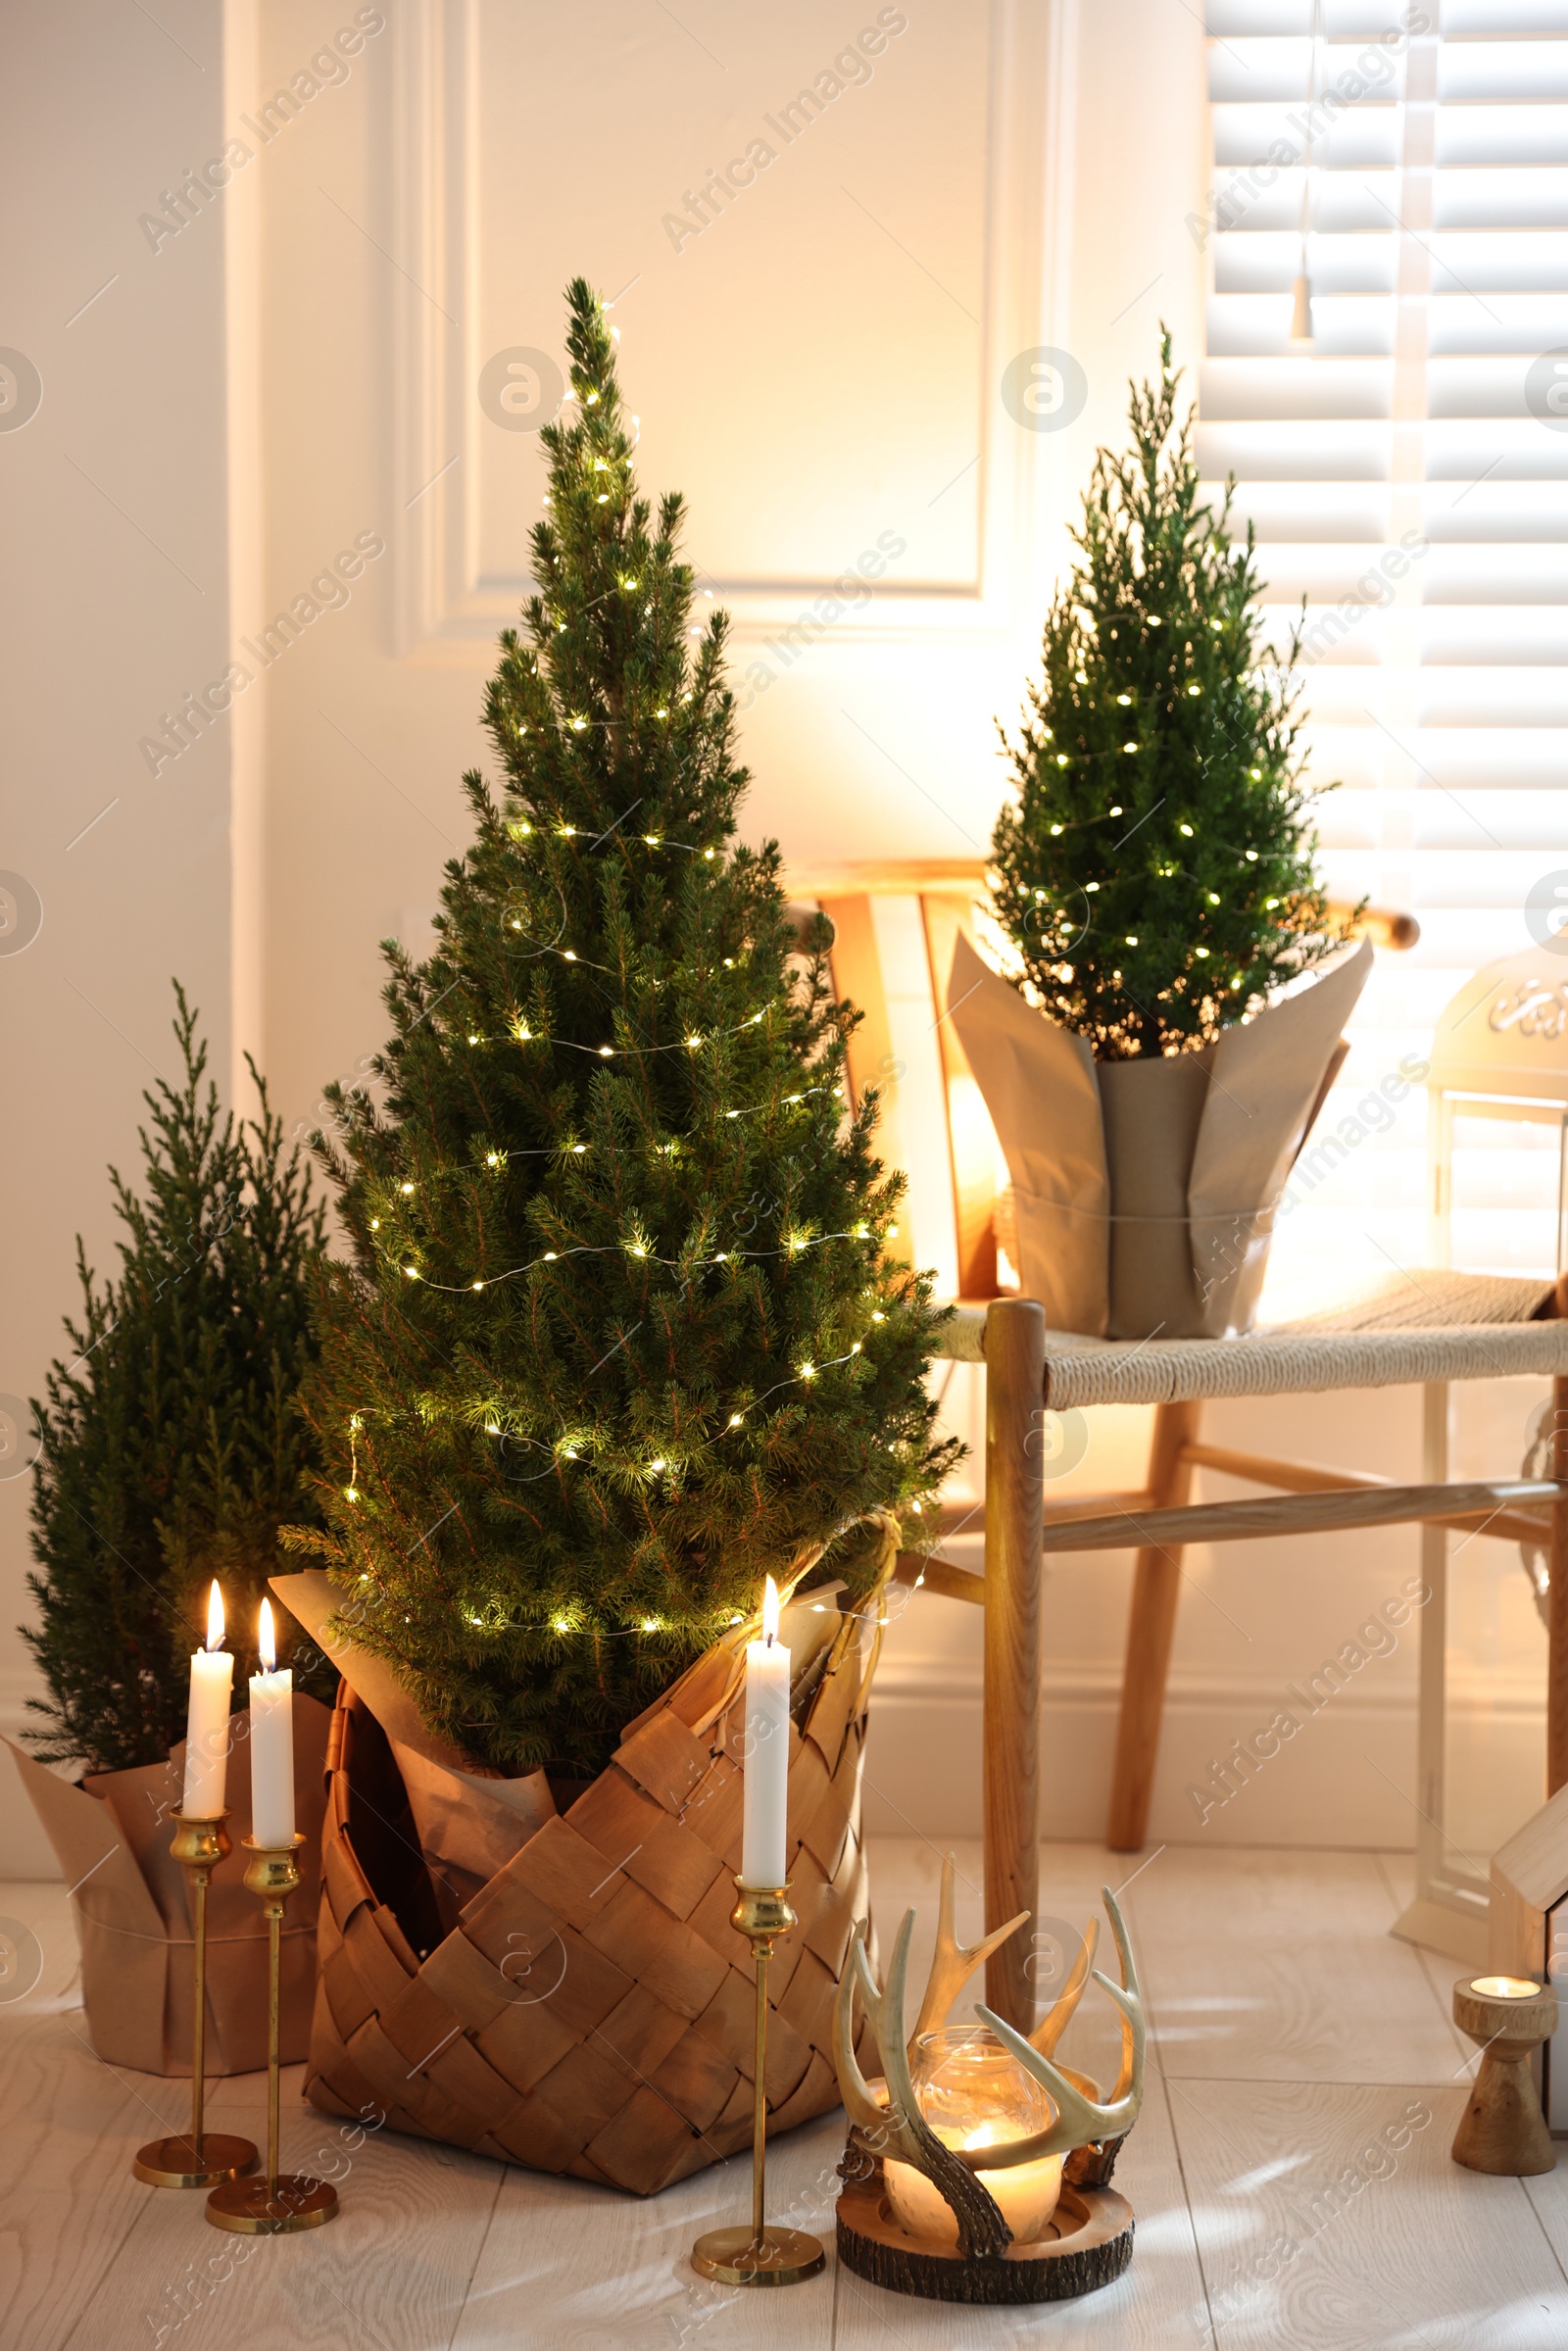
<point>571,1445</point>
<point>661,1465</point>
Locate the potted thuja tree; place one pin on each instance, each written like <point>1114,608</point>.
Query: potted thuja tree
<point>168,1448</point>
<point>1153,877</point>
<point>617,1337</point>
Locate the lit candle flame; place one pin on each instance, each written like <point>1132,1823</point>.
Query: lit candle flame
<point>264,1643</point>
<point>1506,1987</point>
<point>770,1610</point>
<point>215,1617</point>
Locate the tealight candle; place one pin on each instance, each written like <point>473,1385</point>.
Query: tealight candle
<point>974,2094</point>
<point>212,1681</point>
<point>272,1745</point>
<point>765,1790</point>
<point>1027,2192</point>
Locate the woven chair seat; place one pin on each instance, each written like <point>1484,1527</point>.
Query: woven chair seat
<point>1427,1325</point>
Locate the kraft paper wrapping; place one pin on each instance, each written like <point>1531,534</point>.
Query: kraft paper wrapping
<point>470,1822</point>
<point>111,1836</point>
<point>1144,1191</point>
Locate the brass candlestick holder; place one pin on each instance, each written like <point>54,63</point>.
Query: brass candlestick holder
<point>759,2255</point>
<point>202,2158</point>
<point>276,2203</point>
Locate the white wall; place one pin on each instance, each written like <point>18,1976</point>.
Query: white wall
<point>822,364</point>
<point>116,603</point>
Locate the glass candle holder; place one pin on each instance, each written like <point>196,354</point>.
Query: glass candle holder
<point>974,2094</point>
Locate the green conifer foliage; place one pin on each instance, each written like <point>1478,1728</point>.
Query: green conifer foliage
<point>621,1334</point>
<point>1155,871</point>
<point>170,1440</point>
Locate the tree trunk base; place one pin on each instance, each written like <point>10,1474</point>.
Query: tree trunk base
<point>1093,2248</point>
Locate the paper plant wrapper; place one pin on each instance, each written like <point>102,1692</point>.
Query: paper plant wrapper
<point>586,2006</point>
<point>111,1835</point>
<point>1144,1191</point>
<point>470,1822</point>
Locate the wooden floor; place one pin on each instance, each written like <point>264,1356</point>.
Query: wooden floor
<point>1290,2173</point>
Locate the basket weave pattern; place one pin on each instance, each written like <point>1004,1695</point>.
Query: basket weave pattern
<point>591,2010</point>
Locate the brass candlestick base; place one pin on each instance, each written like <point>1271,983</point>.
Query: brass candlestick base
<point>280,2202</point>
<point>1503,2128</point>
<point>199,2157</point>
<point>759,2255</point>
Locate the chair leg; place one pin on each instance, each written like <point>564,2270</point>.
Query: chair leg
<point>1558,1604</point>
<point>1149,1630</point>
<point>1015,1376</point>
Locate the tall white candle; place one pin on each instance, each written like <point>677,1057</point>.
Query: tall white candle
<point>272,1745</point>
<point>211,1681</point>
<point>765,1794</point>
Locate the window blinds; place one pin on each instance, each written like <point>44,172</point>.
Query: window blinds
<point>1407,472</point>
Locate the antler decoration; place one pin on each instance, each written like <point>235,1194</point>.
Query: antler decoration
<point>900,2123</point>
<point>1081,2120</point>
<point>1054,2022</point>
<point>952,1964</point>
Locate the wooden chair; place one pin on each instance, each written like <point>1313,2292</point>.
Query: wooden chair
<point>1455,1327</point>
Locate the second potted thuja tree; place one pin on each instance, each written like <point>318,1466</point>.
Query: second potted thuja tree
<point>619,1336</point>
<point>1153,876</point>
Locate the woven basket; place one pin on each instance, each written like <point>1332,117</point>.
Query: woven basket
<point>591,2009</point>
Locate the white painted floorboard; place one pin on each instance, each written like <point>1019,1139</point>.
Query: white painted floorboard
<point>1290,2173</point>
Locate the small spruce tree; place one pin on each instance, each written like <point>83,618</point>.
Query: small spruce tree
<point>1155,870</point>
<point>621,1334</point>
<point>170,1445</point>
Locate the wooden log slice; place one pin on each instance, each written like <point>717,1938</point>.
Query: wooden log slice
<point>1091,2246</point>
